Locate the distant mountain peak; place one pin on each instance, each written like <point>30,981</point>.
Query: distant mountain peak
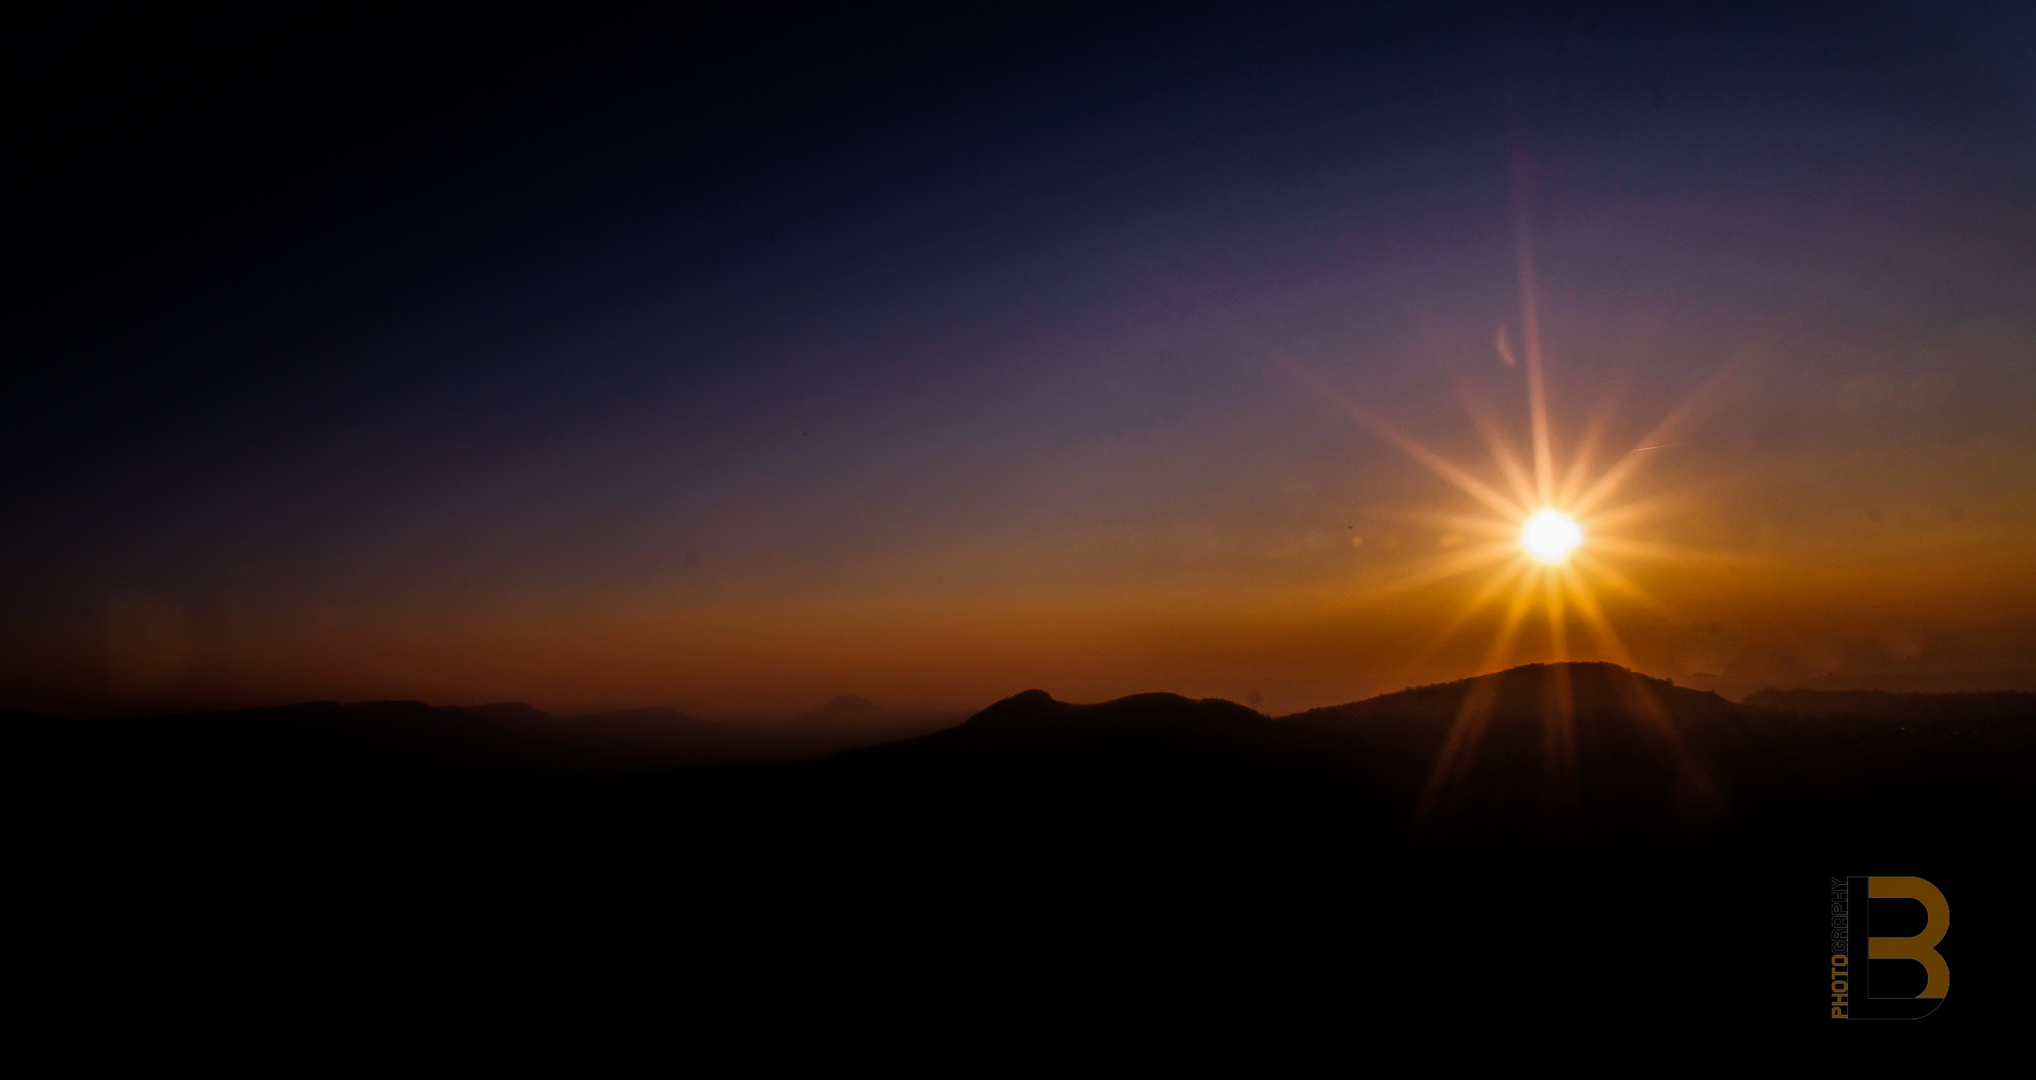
<point>846,709</point>
<point>509,712</point>
<point>1589,686</point>
<point>1018,708</point>
<point>1037,706</point>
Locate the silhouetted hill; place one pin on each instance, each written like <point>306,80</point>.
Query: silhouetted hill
<point>850,722</point>
<point>634,740</point>
<point>1594,688</point>
<point>1882,705</point>
<point>1032,726</point>
<point>1565,753</point>
<point>846,709</point>
<point>1169,849</point>
<point>328,737</point>
<point>509,712</point>
<point>1553,758</point>
<point>313,737</point>
<point>1559,751</point>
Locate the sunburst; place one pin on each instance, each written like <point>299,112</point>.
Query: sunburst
<point>1552,541</point>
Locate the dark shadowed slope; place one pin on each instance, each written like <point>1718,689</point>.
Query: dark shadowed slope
<point>509,713</point>
<point>1882,705</point>
<point>1203,848</point>
<point>1562,753</point>
<point>1032,727</point>
<point>1570,757</point>
<point>846,709</point>
<point>658,740</point>
<point>850,722</point>
<point>1568,753</point>
<point>313,737</point>
<point>1061,772</point>
<point>1152,849</point>
<point>633,740</point>
<point>327,737</point>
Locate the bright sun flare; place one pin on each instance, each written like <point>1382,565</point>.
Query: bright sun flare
<point>1550,536</point>
<point>1535,558</point>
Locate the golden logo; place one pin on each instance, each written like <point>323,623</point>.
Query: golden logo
<point>1853,996</point>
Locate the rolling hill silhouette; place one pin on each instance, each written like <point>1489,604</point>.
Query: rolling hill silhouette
<point>849,722</point>
<point>407,736</point>
<point>1640,763</point>
<point>1638,760</point>
<point>1175,850</point>
<point>1882,705</point>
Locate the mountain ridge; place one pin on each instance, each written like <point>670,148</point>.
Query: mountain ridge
<point>516,736</point>
<point>1133,830</point>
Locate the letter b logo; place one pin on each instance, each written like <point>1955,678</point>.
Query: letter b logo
<point>1920,947</point>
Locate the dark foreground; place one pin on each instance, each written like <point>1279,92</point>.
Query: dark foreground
<point>1046,867</point>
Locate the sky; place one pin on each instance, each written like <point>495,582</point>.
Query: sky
<point>740,361</point>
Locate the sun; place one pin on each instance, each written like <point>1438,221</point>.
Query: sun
<point>1551,535</point>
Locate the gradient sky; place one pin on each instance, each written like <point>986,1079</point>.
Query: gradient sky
<point>739,364</point>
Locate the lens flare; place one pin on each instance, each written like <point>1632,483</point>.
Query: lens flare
<point>1536,559</point>
<point>1550,536</point>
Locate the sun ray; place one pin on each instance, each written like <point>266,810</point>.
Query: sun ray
<point>1558,746</point>
<point>1439,568</point>
<point>1441,519</point>
<point>1558,623</point>
<point>1459,749</point>
<point>1530,333</point>
<point>1436,463</point>
<point>1598,568</point>
<point>1636,511</point>
<point>1558,707</point>
<point>1441,466</point>
<point>1501,651</point>
<point>1494,435</point>
<point>1607,639</point>
<point>1588,447</point>
<point>1580,465</point>
<point>1460,746</point>
<point>1491,590</point>
<point>1544,452</point>
<point>1700,792</point>
<point>1644,705</point>
<point>1697,793</point>
<point>1613,478</point>
<point>1655,549</point>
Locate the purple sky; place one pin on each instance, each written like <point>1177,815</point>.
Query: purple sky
<point>621,361</point>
